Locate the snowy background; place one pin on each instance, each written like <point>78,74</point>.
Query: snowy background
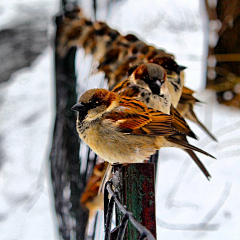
<point>188,206</point>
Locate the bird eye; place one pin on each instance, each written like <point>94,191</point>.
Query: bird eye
<point>94,104</point>
<point>145,78</point>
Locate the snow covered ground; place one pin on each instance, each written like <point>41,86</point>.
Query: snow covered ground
<point>188,206</point>
<point>26,113</point>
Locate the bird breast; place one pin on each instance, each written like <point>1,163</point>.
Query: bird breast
<point>114,146</point>
<point>160,102</point>
<point>175,86</point>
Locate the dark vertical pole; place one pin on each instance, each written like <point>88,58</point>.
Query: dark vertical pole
<point>95,9</point>
<point>64,157</point>
<point>135,184</point>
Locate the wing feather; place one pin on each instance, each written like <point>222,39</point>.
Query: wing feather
<point>134,117</point>
<point>122,85</point>
<point>187,96</point>
<point>180,124</point>
<point>126,90</point>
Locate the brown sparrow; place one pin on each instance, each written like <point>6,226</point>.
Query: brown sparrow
<point>181,96</point>
<point>92,197</point>
<point>146,84</point>
<point>124,130</point>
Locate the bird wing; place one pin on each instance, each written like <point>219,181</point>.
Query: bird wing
<point>122,85</point>
<point>125,88</point>
<point>134,117</point>
<point>129,89</point>
<point>132,91</point>
<point>180,124</point>
<point>187,96</point>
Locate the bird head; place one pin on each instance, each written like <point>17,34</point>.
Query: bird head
<point>110,57</point>
<point>167,62</point>
<point>150,75</point>
<point>94,102</point>
<point>131,38</point>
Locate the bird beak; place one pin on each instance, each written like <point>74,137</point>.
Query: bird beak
<point>180,68</point>
<point>79,107</point>
<point>155,86</point>
<point>158,83</point>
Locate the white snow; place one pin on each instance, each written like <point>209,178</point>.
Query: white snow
<point>14,12</point>
<point>27,112</point>
<point>188,206</point>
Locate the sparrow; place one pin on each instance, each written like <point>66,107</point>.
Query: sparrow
<point>114,55</point>
<point>148,84</point>
<point>124,41</point>
<point>117,53</point>
<point>120,50</point>
<point>92,197</point>
<point>130,55</point>
<point>123,70</point>
<point>111,61</point>
<point>100,40</point>
<point>73,33</point>
<point>95,37</point>
<point>139,47</point>
<point>121,129</point>
<point>181,96</point>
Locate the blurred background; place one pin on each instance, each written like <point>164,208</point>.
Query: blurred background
<point>188,206</point>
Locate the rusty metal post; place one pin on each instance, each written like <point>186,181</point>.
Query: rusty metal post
<point>135,186</point>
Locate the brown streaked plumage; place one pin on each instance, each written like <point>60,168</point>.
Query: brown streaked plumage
<point>131,88</point>
<point>125,88</point>
<point>122,71</point>
<point>181,96</point>
<point>97,38</point>
<point>148,84</point>
<point>73,34</point>
<point>91,198</point>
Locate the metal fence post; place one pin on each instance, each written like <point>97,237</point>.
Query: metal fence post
<point>135,186</point>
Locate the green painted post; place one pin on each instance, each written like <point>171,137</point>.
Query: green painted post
<point>135,184</point>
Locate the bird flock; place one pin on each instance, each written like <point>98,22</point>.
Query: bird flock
<point>144,109</point>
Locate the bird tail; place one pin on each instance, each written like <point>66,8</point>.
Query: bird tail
<point>199,163</point>
<point>206,130</point>
<point>192,116</point>
<point>180,123</point>
<point>184,144</point>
